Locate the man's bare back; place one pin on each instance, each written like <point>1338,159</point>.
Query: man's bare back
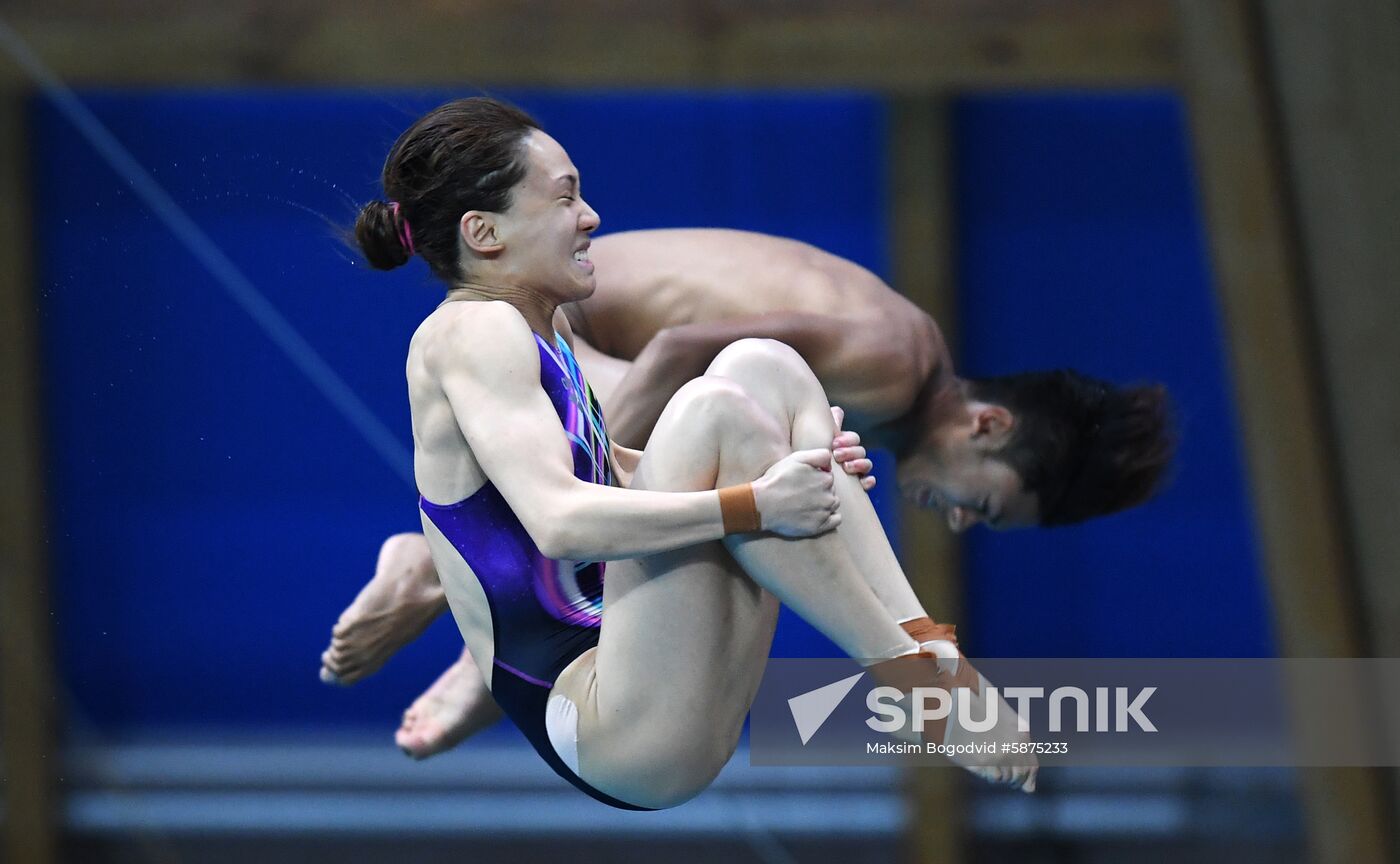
<point>700,289</point>
<point>651,280</point>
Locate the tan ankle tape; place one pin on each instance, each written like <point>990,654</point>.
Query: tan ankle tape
<point>905,672</point>
<point>926,629</point>
<point>739,509</point>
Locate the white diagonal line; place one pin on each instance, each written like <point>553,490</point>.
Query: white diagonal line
<point>277,328</point>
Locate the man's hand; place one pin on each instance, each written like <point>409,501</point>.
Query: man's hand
<point>846,450</point>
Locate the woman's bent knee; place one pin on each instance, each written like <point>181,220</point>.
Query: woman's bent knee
<point>709,393</point>
<point>772,373</point>
<point>772,354</point>
<point>722,406</point>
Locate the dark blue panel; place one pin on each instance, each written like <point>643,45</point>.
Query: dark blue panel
<point>211,513</point>
<point>799,166</point>
<point>1080,244</point>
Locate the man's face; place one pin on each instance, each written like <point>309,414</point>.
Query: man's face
<point>957,473</point>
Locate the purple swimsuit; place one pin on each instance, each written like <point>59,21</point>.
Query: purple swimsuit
<point>544,613</point>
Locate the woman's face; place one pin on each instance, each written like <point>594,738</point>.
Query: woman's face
<point>545,232</point>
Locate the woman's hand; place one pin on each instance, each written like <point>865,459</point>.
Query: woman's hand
<point>795,497</point>
<point>846,450</point>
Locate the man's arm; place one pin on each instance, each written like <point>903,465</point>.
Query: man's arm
<point>831,345</point>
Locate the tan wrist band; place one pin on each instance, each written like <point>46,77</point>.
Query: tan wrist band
<point>925,629</point>
<point>739,509</point>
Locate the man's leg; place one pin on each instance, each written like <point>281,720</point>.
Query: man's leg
<point>454,708</point>
<point>393,609</point>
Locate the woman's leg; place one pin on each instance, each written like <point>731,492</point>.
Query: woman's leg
<point>685,634</point>
<point>776,377</point>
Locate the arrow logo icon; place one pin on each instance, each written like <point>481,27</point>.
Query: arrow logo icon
<point>811,709</point>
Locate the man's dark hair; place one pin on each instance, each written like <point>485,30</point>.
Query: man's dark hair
<point>1085,447</point>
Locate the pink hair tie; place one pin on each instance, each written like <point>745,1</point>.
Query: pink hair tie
<point>405,233</point>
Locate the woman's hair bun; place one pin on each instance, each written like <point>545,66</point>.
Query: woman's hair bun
<point>378,235</point>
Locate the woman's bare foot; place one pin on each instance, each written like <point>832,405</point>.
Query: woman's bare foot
<point>457,706</point>
<point>393,609</point>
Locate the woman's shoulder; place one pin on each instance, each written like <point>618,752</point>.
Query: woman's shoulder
<point>481,334</point>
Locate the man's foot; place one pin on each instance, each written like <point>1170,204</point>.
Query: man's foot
<point>457,706</point>
<point>393,609</point>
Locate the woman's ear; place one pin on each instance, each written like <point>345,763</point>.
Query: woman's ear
<point>480,232</point>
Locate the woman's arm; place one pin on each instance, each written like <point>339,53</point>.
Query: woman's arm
<point>489,369</point>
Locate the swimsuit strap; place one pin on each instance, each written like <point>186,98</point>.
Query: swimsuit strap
<point>590,432</point>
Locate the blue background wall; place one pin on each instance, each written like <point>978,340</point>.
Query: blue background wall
<point>211,513</point>
<point>1080,244</point>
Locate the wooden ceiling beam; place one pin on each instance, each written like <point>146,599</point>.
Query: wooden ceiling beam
<point>912,45</point>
